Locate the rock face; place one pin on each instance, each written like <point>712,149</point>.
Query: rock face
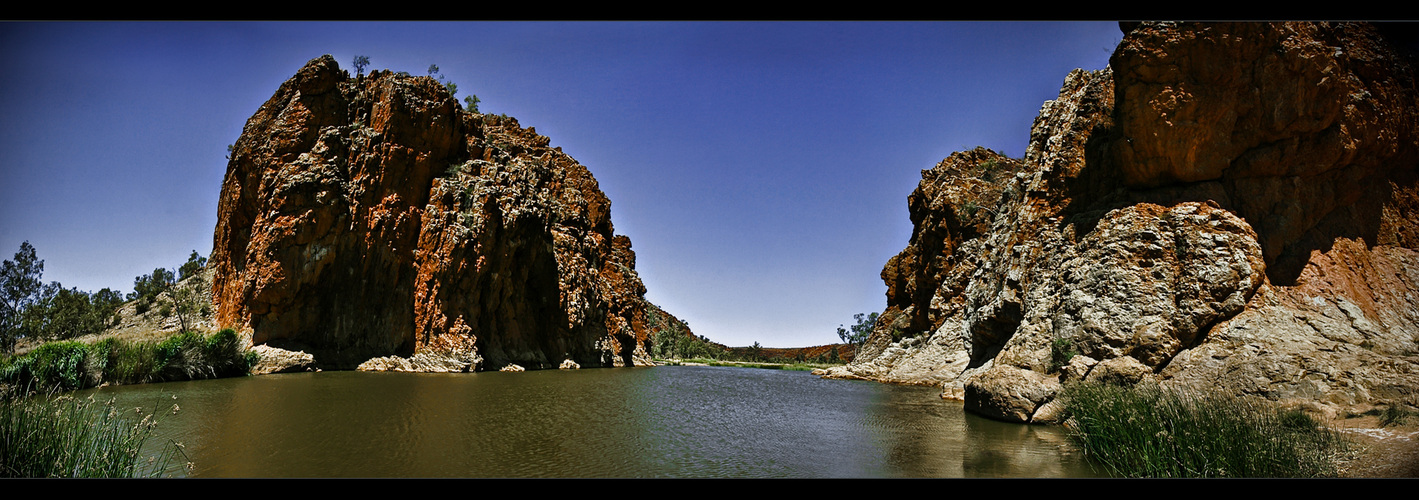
<point>373,217</point>
<point>1226,207</point>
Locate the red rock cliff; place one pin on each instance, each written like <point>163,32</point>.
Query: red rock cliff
<point>373,216</point>
<point>1227,207</point>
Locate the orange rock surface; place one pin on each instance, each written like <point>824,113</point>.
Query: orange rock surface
<point>367,217</point>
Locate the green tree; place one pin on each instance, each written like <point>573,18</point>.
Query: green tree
<point>186,301</point>
<point>19,284</point>
<point>448,84</point>
<point>858,333</point>
<point>64,313</point>
<point>471,102</point>
<point>360,63</point>
<point>147,287</point>
<point>194,265</point>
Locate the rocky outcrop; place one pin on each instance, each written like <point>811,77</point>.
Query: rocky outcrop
<point>373,217</point>
<point>276,360</point>
<point>1226,207</point>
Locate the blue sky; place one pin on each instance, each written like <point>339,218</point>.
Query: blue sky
<point>761,169</point>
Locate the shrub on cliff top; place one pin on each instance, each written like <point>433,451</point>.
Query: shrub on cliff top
<point>1151,432</point>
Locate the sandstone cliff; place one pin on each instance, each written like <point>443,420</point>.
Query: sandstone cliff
<point>373,217</point>
<point>1226,207</point>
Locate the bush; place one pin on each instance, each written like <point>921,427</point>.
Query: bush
<point>1150,432</point>
<point>60,365</point>
<point>1061,350</point>
<point>74,365</point>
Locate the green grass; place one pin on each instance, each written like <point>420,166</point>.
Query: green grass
<point>45,436</point>
<point>1150,432</point>
<point>63,366</point>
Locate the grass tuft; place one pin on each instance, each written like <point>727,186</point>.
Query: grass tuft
<point>1394,414</point>
<point>1151,432</point>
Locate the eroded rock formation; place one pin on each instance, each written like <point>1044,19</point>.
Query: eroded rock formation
<point>374,218</point>
<point>1226,207</point>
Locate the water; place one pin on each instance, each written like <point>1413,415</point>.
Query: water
<point>668,421</point>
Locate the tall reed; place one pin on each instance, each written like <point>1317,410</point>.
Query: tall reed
<point>64,436</point>
<point>1150,432</point>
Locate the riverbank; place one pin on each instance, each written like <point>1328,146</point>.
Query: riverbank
<point>71,365</point>
<point>744,364</point>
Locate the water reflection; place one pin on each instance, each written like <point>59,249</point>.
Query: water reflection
<point>630,422</point>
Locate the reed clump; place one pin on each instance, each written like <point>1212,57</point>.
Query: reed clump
<point>1147,431</point>
<point>64,436</point>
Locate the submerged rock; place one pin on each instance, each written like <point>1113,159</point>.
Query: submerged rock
<point>1226,207</point>
<point>373,217</point>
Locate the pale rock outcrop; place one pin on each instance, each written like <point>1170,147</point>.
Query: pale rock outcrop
<point>275,360</point>
<point>1227,207</point>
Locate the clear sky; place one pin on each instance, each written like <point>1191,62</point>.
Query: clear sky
<point>761,169</point>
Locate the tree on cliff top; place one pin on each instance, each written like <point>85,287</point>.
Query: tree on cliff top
<point>360,63</point>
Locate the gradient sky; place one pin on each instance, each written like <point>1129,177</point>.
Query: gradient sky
<point>761,169</point>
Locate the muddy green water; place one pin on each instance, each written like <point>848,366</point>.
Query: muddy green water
<point>699,422</point>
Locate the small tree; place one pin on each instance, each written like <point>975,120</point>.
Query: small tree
<point>194,265</point>
<point>471,102</point>
<point>147,287</point>
<point>360,63</point>
<point>187,302</point>
<point>448,84</point>
<point>19,284</point>
<point>858,333</point>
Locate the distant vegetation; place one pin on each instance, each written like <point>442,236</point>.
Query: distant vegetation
<point>34,310</point>
<point>51,312</point>
<point>669,340</point>
<point>1152,432</point>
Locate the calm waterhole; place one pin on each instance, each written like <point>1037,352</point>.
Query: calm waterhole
<point>661,422</point>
